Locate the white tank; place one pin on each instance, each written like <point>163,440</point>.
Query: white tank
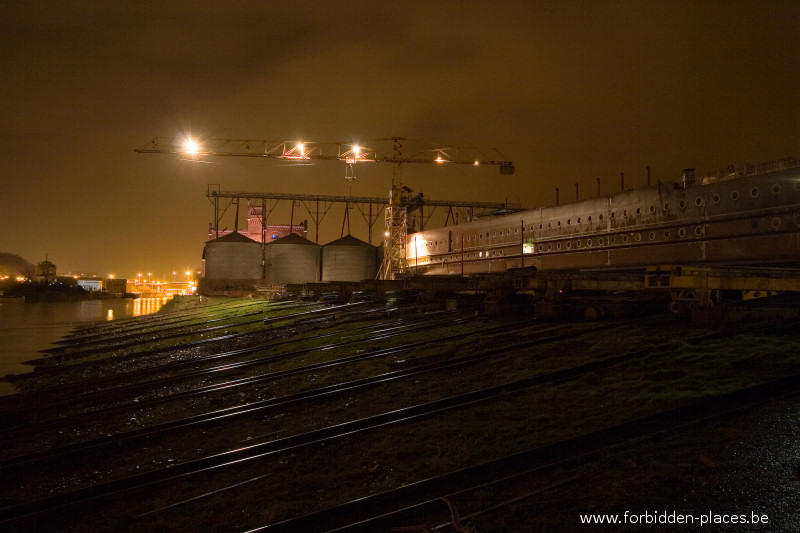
<point>349,259</point>
<point>292,259</point>
<point>233,256</point>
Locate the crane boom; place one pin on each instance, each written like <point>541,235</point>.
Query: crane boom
<point>394,261</point>
<point>329,151</point>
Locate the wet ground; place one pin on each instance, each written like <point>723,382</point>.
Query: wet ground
<point>759,472</point>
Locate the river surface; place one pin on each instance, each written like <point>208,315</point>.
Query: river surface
<point>28,328</point>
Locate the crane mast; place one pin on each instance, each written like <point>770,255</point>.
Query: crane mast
<point>396,229</point>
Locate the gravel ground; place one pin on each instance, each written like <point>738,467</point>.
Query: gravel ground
<point>759,472</point>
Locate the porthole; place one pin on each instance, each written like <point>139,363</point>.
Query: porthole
<point>531,228</point>
<point>588,242</point>
<point>666,206</point>
<point>600,216</point>
<point>734,195</point>
<point>494,234</point>
<point>754,192</point>
<point>624,212</point>
<point>508,232</point>
<point>698,230</point>
<point>549,247</point>
<point>715,198</point>
<point>652,235</point>
<point>540,226</point>
<point>581,244</point>
<point>579,220</point>
<point>624,238</point>
<point>638,210</point>
<point>776,222</point>
<point>467,238</point>
<point>516,230</point>
<point>589,218</point>
<point>682,204</point>
<point>612,240</point>
<point>541,247</point>
<point>698,201</point>
<point>558,246</point>
<point>569,245</point>
<point>569,222</point>
<point>481,235</point>
<point>600,241</point>
<point>681,233</point>
<point>666,234</point>
<point>559,224</point>
<point>474,238</point>
<point>501,252</point>
<point>612,214</point>
<point>639,237</point>
<point>776,189</point>
<point>652,209</point>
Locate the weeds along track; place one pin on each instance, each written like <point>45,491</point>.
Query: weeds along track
<point>73,378</point>
<point>87,336</point>
<point>184,384</point>
<point>239,457</point>
<point>89,333</point>
<point>227,415</point>
<point>401,415</point>
<point>126,384</point>
<point>396,509</point>
<point>322,435</point>
<point>121,340</point>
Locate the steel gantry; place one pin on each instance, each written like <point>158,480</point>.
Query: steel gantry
<point>317,206</point>
<point>396,208</point>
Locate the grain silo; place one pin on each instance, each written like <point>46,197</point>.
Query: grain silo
<point>232,256</point>
<point>292,259</point>
<point>349,259</point>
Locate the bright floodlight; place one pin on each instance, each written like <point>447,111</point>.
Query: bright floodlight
<point>191,147</point>
<point>356,150</point>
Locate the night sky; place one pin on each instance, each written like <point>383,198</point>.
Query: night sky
<point>570,91</point>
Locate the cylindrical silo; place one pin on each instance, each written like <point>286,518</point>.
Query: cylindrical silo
<point>293,259</point>
<point>232,256</point>
<point>349,259</point>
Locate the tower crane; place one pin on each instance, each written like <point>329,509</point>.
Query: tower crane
<point>395,235</point>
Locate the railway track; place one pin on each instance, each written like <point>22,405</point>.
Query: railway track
<point>13,419</point>
<point>254,408</point>
<point>404,505</point>
<point>293,444</point>
<point>159,485</point>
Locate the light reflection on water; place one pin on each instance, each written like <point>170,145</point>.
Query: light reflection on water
<point>28,328</point>
<point>146,306</point>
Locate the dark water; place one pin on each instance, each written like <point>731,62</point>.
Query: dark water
<point>28,328</point>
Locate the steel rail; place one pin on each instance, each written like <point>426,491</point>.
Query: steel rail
<point>257,451</point>
<point>77,389</point>
<point>87,333</point>
<point>13,427</point>
<point>81,353</point>
<point>382,511</point>
<point>284,401</point>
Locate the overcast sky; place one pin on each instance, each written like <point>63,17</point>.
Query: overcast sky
<point>570,91</point>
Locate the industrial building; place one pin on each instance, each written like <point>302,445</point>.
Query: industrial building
<point>290,259</point>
